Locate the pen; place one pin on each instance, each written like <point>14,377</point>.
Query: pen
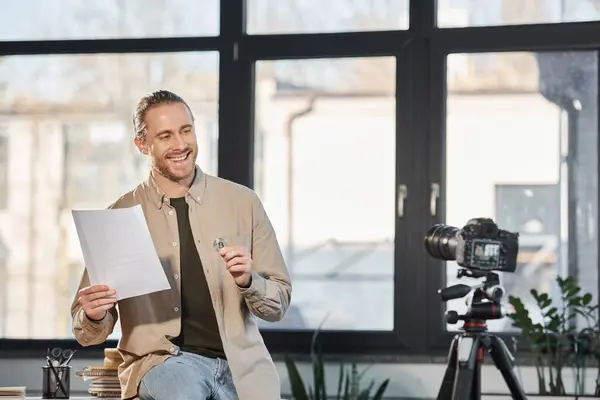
<point>68,360</point>
<point>56,375</point>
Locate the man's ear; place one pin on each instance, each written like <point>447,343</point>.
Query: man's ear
<point>141,145</point>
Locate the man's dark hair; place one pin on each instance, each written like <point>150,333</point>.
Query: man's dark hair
<point>149,101</point>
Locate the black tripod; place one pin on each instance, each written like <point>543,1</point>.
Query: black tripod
<point>462,380</point>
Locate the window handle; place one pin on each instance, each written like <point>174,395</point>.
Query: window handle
<point>402,194</point>
<point>435,195</point>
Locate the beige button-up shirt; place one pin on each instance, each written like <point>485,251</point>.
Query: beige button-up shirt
<point>217,209</point>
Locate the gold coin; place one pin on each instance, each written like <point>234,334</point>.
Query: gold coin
<point>218,244</point>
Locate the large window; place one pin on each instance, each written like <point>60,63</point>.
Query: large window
<point>81,19</point>
<point>71,145</point>
<point>327,127</point>
<point>535,115</point>
<point>359,123</point>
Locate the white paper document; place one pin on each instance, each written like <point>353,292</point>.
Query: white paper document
<point>118,251</point>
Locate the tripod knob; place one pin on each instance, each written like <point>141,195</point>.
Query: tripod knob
<point>451,317</point>
<point>495,293</point>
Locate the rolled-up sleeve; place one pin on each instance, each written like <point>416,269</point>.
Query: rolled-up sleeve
<point>88,332</point>
<point>269,293</point>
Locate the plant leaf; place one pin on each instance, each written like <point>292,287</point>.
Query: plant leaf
<point>347,387</point>
<point>382,388</point>
<point>365,393</point>
<point>296,384</point>
<point>551,312</point>
<point>340,382</point>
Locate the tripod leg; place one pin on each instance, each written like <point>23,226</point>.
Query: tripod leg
<point>476,384</point>
<point>467,374</point>
<point>504,362</point>
<point>445,392</point>
<point>460,372</point>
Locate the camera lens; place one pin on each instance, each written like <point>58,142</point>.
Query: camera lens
<point>440,242</point>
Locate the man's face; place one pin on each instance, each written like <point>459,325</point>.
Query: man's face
<point>170,141</point>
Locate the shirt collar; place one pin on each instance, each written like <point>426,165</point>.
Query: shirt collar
<point>196,191</point>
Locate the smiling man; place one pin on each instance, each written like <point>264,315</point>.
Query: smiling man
<point>197,340</point>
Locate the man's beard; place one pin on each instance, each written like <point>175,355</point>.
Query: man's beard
<point>161,166</point>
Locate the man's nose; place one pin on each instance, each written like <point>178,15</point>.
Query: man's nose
<point>178,141</point>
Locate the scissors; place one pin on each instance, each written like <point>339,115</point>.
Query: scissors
<point>61,356</point>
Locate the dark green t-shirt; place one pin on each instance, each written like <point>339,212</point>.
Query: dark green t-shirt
<point>199,329</point>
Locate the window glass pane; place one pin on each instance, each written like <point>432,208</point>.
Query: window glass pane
<point>324,129</point>
<point>70,145</point>
<point>313,16</point>
<point>82,19</point>
<point>463,13</point>
<point>537,114</point>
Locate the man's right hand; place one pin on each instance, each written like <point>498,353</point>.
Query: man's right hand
<point>96,300</point>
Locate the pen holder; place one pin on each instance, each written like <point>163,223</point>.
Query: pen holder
<point>56,382</point>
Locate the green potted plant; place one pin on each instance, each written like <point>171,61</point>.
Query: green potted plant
<point>556,343</point>
<point>350,381</point>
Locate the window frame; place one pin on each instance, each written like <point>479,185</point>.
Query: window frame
<point>421,54</point>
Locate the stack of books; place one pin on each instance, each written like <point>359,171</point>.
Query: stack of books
<point>104,381</point>
<point>12,393</point>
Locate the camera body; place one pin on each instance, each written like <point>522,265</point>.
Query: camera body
<point>482,245</point>
<point>479,245</point>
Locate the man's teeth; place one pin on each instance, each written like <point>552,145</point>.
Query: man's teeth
<point>183,157</point>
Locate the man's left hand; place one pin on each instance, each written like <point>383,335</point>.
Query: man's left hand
<point>239,264</point>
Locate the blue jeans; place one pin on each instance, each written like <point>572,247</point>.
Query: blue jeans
<point>188,376</point>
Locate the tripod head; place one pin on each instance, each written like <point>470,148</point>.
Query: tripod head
<point>482,304</point>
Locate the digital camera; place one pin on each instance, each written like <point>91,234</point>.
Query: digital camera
<point>479,245</point>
